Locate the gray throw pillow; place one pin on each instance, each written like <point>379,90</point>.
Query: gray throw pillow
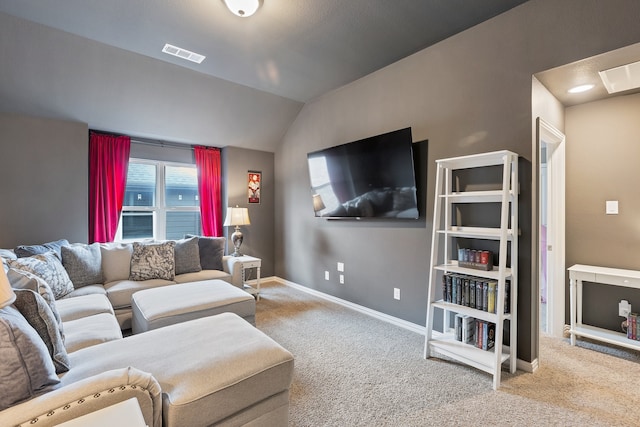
<point>20,279</point>
<point>116,261</point>
<point>153,261</point>
<point>24,251</point>
<point>26,369</point>
<point>49,268</point>
<point>187,255</point>
<point>83,264</point>
<point>35,309</point>
<point>211,252</point>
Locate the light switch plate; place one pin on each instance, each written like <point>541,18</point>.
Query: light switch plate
<point>612,207</point>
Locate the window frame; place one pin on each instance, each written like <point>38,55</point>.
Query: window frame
<point>159,209</point>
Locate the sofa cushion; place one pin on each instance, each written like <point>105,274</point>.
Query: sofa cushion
<point>187,254</point>
<point>116,261</point>
<point>26,369</point>
<point>83,306</point>
<point>211,252</point>
<point>20,279</point>
<point>90,331</point>
<point>24,251</point>
<point>119,292</point>
<point>83,264</point>
<point>49,268</point>
<point>86,290</point>
<point>153,261</point>
<point>36,311</point>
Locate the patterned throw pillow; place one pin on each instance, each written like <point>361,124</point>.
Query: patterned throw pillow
<point>153,261</point>
<point>49,268</point>
<point>22,377</point>
<point>20,279</point>
<point>36,311</point>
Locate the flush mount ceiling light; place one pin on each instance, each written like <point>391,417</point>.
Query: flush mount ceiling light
<point>621,78</point>
<point>581,88</point>
<point>243,8</point>
<point>183,53</point>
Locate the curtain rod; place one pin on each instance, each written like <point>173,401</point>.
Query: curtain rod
<point>146,141</point>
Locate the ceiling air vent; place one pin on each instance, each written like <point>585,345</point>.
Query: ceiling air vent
<point>621,78</point>
<point>183,53</point>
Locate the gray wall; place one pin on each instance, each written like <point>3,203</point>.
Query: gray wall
<point>259,236</point>
<point>603,153</point>
<point>468,94</point>
<point>44,175</point>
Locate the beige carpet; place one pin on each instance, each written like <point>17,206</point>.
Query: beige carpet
<point>353,370</point>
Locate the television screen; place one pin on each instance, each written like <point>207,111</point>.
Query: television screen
<point>370,178</point>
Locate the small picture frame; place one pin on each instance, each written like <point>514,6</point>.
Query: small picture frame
<point>253,186</point>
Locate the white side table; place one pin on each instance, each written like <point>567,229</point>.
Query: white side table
<point>246,262</point>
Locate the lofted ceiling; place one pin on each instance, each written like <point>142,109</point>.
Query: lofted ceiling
<point>296,49</point>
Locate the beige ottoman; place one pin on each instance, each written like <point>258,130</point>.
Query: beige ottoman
<point>167,305</point>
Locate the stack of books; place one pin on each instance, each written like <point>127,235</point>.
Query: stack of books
<point>633,327</point>
<point>476,332</point>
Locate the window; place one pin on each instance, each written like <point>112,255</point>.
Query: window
<point>160,201</point>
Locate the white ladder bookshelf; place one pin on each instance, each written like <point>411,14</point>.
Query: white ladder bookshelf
<point>445,233</point>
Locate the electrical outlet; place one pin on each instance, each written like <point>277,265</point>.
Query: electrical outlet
<point>326,275</point>
<point>341,266</point>
<point>624,308</point>
<point>342,279</point>
<point>396,293</point>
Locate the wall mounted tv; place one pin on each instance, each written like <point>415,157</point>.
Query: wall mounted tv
<point>370,178</point>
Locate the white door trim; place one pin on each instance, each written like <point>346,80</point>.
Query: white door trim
<point>555,141</point>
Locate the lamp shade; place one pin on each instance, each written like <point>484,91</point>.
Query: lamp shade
<point>237,216</point>
<point>243,8</point>
<point>318,204</point>
<point>7,296</point>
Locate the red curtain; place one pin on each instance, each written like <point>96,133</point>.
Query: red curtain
<point>209,177</point>
<point>108,163</point>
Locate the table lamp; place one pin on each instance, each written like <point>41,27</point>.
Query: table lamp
<point>237,217</point>
<point>7,296</point>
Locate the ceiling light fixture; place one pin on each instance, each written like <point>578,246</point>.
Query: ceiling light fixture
<point>243,8</point>
<point>581,88</point>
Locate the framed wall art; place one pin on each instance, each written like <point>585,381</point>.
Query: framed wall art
<point>253,186</point>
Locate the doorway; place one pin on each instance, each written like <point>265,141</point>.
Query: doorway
<point>551,231</point>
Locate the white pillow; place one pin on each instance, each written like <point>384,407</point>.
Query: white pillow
<point>116,261</point>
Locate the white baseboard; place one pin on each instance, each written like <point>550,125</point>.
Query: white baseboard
<point>520,364</point>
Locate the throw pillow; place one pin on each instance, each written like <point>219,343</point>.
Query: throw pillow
<point>187,255</point>
<point>20,279</point>
<point>153,261</point>
<point>26,368</point>
<point>48,267</point>
<point>24,251</point>
<point>116,261</point>
<point>211,252</point>
<point>36,311</point>
<point>83,264</point>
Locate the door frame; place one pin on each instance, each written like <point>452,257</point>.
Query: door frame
<point>555,141</point>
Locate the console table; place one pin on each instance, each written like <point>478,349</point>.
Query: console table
<point>609,276</point>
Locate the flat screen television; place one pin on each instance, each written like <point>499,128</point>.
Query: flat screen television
<point>370,178</point>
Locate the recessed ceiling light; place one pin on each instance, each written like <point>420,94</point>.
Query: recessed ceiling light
<point>621,78</point>
<point>581,88</point>
<point>183,53</point>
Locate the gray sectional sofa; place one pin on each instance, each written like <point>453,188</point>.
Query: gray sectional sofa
<point>217,370</point>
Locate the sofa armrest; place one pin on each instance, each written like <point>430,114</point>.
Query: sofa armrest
<point>225,263</point>
<point>89,395</point>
